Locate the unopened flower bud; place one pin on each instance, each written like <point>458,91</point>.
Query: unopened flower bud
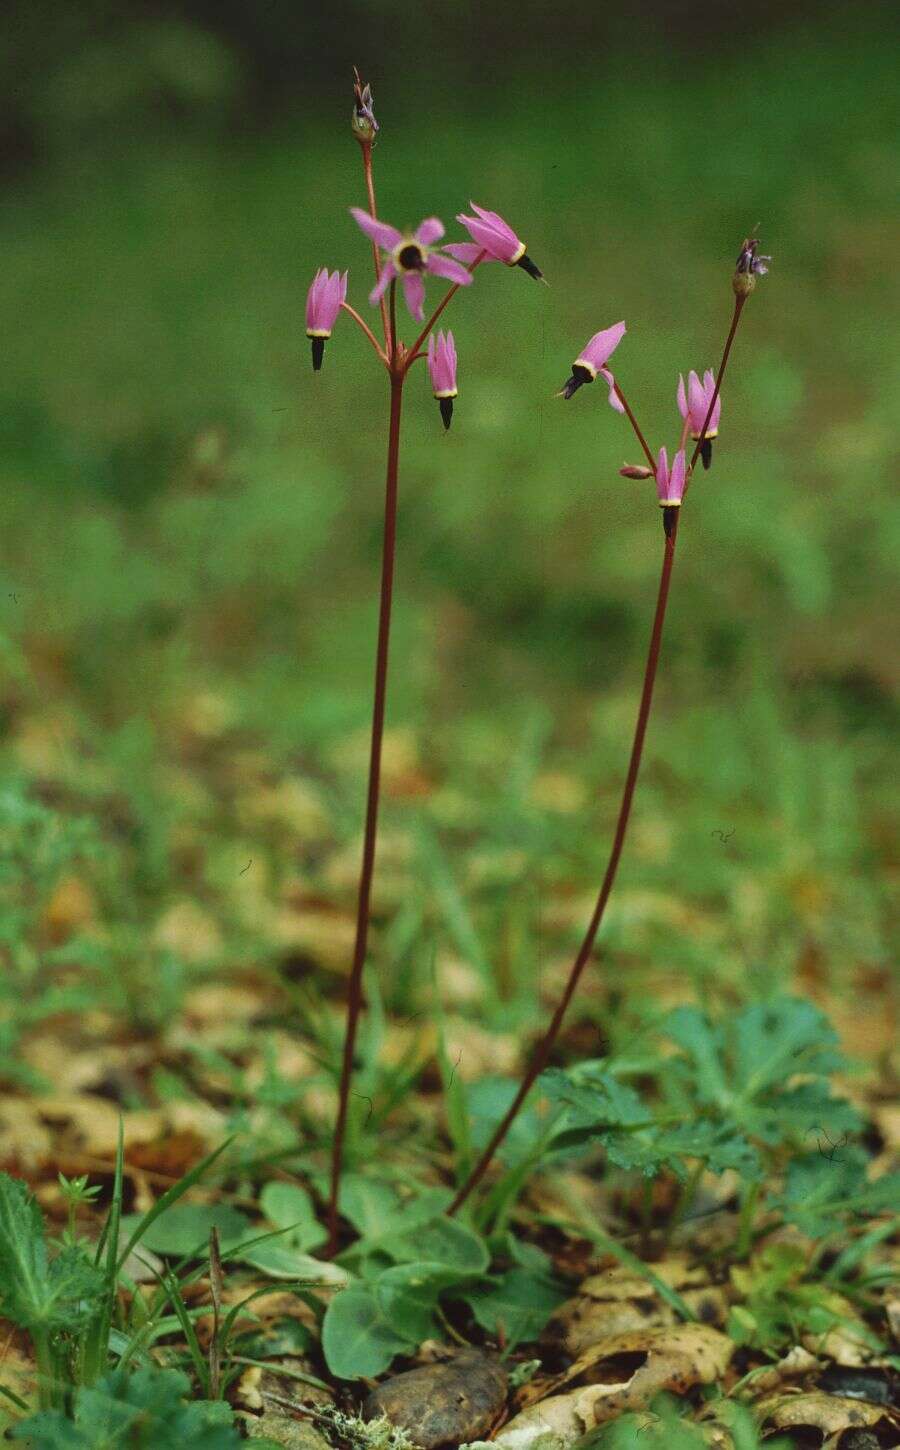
<point>442,366</point>
<point>362,120</point>
<point>750,265</point>
<point>323,303</point>
<point>636,470</point>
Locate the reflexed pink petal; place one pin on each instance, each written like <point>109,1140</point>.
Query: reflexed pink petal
<point>601,346</point>
<point>467,252</point>
<point>414,292</point>
<point>385,236</point>
<point>388,273</point>
<point>678,475</point>
<point>446,267</point>
<point>500,244</point>
<point>430,230</point>
<point>682,399</point>
<point>494,219</point>
<point>697,401</point>
<point>344,286</point>
<point>442,363</point>
<point>662,474</point>
<point>614,401</point>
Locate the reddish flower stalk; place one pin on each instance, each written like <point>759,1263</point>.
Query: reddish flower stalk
<point>408,258</point>
<point>670,500</point>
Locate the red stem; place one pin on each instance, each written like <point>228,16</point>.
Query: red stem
<point>542,1052</point>
<point>366,148</point>
<point>363,910</point>
<point>735,319</point>
<point>635,425</point>
<point>545,1046</point>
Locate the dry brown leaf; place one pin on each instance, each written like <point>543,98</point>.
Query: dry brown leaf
<point>325,936</point>
<point>687,1354</point>
<point>798,1361</point>
<point>71,908</point>
<point>294,805</point>
<point>618,1300</point>
<point>624,1372</point>
<point>93,1122</point>
<point>190,932</point>
<point>223,1002</point>
<point>25,1142</point>
<point>827,1413</point>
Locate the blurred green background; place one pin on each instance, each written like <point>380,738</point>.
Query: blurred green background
<point>191,518</point>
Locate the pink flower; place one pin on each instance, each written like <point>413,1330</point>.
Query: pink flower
<point>491,234</point>
<point>442,366</point>
<point>670,485</point>
<point>411,255</point>
<point>323,303</point>
<point>592,360</point>
<point>693,405</point>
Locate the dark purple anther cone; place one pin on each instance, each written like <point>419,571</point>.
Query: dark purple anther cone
<point>446,407</point>
<point>580,376</point>
<point>706,452</point>
<point>530,267</point>
<point>318,352</point>
<point>669,517</point>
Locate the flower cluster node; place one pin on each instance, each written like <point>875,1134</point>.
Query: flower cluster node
<point>750,265</point>
<point>409,256</point>
<point>362,119</point>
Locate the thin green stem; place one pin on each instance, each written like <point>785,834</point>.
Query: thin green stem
<point>749,1200</point>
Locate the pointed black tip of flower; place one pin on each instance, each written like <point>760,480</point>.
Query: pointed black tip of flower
<point>446,407</point>
<point>706,452</point>
<point>531,268</point>
<point>670,518</point>
<point>318,352</point>
<point>580,376</point>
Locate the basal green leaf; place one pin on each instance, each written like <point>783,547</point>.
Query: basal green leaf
<point>519,1305</point>
<point>443,1241</point>
<point>185,1228</point>
<point>289,1207</point>
<point>358,1340</point>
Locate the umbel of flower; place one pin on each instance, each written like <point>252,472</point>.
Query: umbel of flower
<point>323,303</point>
<point>442,366</point>
<point>409,256</point>
<point>492,235</point>
<point>591,362</point>
<point>750,265</point>
<point>362,121</point>
<point>693,405</point>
